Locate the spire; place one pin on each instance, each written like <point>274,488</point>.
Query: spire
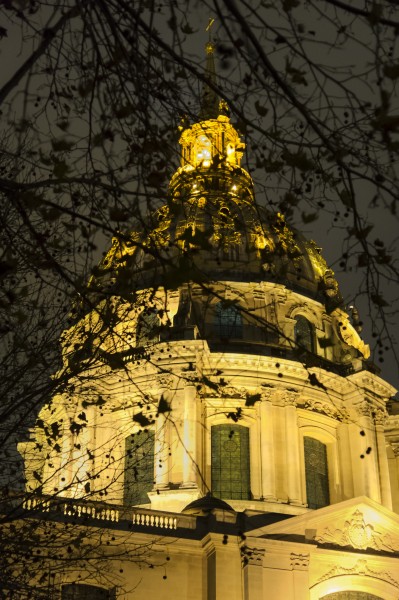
<point>209,98</point>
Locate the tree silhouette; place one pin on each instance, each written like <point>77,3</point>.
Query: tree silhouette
<point>91,108</point>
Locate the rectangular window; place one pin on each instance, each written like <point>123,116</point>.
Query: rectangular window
<point>230,462</point>
<point>316,471</point>
<point>139,467</point>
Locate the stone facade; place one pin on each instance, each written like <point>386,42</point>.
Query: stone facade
<point>214,354</point>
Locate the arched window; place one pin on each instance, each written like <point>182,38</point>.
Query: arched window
<point>83,591</point>
<point>139,467</point>
<point>316,472</point>
<point>230,462</point>
<point>304,334</point>
<point>148,327</point>
<point>228,321</point>
<point>351,595</point>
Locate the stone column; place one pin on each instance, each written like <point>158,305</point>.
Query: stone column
<point>161,454</point>
<point>190,438</point>
<point>267,451</point>
<point>385,483</point>
<point>300,568</point>
<point>293,461</point>
<point>366,463</point>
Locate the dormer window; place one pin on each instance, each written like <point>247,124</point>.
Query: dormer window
<point>228,321</point>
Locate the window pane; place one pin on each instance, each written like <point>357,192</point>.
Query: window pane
<point>316,471</point>
<point>139,467</point>
<point>303,334</point>
<point>80,591</point>
<point>230,462</point>
<point>228,321</point>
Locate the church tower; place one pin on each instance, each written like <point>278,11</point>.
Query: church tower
<point>212,367</point>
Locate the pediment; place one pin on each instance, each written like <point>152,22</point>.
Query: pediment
<point>359,523</point>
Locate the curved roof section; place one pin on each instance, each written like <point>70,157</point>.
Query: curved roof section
<point>205,505</point>
<point>211,229</point>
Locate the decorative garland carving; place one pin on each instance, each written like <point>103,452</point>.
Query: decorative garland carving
<point>326,408</point>
<point>359,568</point>
<point>358,534</point>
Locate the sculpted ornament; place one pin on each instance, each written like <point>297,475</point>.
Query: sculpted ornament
<point>299,561</point>
<point>227,391</point>
<point>189,377</point>
<point>363,409</point>
<point>395,448</point>
<point>358,534</point>
<point>359,568</point>
<point>380,416</point>
<point>326,408</point>
<point>349,335</point>
<point>252,556</point>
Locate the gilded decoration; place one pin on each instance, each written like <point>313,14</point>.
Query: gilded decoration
<point>349,335</point>
<point>318,263</point>
<point>286,240</point>
<point>358,534</point>
<point>361,567</point>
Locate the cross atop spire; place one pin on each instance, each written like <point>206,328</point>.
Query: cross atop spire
<point>209,98</point>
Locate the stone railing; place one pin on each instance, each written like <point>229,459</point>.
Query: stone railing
<point>89,511</point>
<point>72,508</point>
<point>152,519</point>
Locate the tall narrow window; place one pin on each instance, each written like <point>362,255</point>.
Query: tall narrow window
<point>230,462</point>
<point>228,321</point>
<point>148,327</point>
<point>303,334</point>
<point>83,591</point>
<point>316,472</point>
<point>139,467</point>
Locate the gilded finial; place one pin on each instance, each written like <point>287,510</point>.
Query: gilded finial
<point>210,99</point>
<point>208,27</point>
<point>210,48</point>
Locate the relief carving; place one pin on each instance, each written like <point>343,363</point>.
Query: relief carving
<point>363,409</point>
<point>358,534</point>
<point>252,556</point>
<point>395,448</point>
<point>380,416</point>
<point>326,408</point>
<point>359,568</point>
<point>189,376</point>
<point>299,561</point>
